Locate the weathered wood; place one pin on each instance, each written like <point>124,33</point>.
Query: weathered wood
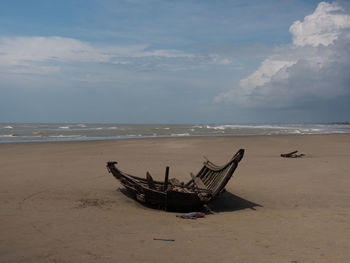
<point>165,187</point>
<point>198,182</point>
<point>150,181</point>
<point>171,194</point>
<point>292,155</point>
<point>175,182</point>
<point>288,154</point>
<point>224,180</point>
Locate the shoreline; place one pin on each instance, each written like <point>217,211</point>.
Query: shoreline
<point>170,137</point>
<point>58,202</point>
<point>87,132</point>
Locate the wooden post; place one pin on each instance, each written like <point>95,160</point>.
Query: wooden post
<point>166,178</point>
<point>150,181</point>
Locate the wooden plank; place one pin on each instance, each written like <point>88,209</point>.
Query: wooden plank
<point>213,176</point>
<point>218,177</point>
<point>206,177</point>
<point>292,155</point>
<point>166,178</point>
<point>224,180</point>
<point>150,181</point>
<point>198,182</point>
<point>288,155</point>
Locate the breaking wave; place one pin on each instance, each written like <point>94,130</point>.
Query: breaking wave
<point>60,132</point>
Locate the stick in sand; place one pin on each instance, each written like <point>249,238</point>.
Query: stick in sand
<point>162,239</point>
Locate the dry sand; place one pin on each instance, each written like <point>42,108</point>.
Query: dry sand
<point>59,204</point>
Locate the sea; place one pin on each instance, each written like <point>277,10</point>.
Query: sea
<point>49,132</point>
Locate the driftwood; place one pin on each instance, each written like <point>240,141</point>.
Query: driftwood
<point>171,194</point>
<point>292,155</point>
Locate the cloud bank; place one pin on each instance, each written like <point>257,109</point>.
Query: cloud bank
<point>315,66</point>
<point>48,56</point>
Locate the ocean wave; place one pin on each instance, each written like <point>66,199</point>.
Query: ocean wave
<point>73,126</point>
<point>15,135</point>
<point>296,131</point>
<point>180,134</point>
<point>221,127</point>
<point>135,135</point>
<point>8,135</point>
<point>238,126</point>
<point>71,132</point>
<point>66,136</point>
<point>39,132</point>
<point>89,129</point>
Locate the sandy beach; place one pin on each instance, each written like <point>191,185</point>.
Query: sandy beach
<point>59,203</point>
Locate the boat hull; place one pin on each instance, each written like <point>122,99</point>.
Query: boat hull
<point>173,195</point>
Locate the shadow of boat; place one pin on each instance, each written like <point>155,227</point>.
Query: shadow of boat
<point>226,202</point>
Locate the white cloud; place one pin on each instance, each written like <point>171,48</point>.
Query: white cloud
<point>217,59</point>
<point>315,66</point>
<point>19,49</point>
<point>322,27</point>
<point>48,54</point>
<point>225,61</point>
<point>53,55</point>
<point>163,53</point>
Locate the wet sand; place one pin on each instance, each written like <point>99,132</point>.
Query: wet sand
<point>59,204</point>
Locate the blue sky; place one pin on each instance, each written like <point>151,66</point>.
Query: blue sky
<point>156,61</point>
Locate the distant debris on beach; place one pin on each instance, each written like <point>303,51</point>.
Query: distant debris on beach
<point>292,155</point>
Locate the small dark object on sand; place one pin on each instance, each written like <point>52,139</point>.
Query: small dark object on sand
<point>292,155</point>
<point>193,215</point>
<point>162,239</point>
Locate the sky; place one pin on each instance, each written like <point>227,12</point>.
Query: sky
<point>160,61</point>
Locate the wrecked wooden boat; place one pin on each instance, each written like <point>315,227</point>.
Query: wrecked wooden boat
<point>171,194</point>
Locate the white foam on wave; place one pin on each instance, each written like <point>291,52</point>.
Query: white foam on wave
<point>80,125</point>
<point>90,129</point>
<point>165,128</point>
<point>39,132</point>
<point>134,135</point>
<point>220,127</point>
<point>180,134</point>
<point>284,128</point>
<point>7,127</point>
<point>65,136</point>
<point>231,126</point>
<point>19,136</point>
<point>7,136</point>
